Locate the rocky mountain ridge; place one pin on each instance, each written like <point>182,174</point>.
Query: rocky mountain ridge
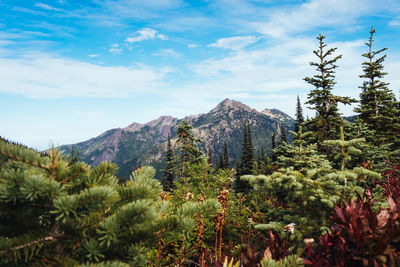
<point>144,144</point>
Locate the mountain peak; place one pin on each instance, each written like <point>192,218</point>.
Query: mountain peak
<point>133,127</point>
<point>232,104</point>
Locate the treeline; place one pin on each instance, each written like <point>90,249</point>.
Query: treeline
<point>329,198</point>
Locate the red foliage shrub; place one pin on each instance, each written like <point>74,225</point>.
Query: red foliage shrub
<point>360,237</point>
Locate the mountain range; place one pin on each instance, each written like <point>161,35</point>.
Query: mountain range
<point>144,144</point>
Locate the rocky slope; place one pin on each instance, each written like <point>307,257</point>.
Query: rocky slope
<point>144,144</point>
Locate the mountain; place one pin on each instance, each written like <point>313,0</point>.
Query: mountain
<point>144,144</point>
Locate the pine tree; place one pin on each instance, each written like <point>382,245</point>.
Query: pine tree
<point>299,115</point>
<point>188,152</point>
<point>210,157</point>
<point>283,133</point>
<point>327,121</point>
<point>378,105</point>
<point>226,157</point>
<point>299,156</point>
<point>346,148</point>
<point>221,162</point>
<point>247,162</point>
<point>273,146</point>
<point>248,151</point>
<point>167,180</point>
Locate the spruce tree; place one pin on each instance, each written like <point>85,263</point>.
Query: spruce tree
<point>299,156</point>
<point>327,121</point>
<point>210,157</point>
<point>283,133</point>
<point>226,157</point>
<point>188,152</point>
<point>345,148</point>
<point>248,151</point>
<point>378,105</point>
<point>167,180</point>
<point>299,115</point>
<point>246,165</point>
<point>273,146</point>
<point>221,162</point>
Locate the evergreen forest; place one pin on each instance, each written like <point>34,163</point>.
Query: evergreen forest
<point>330,197</point>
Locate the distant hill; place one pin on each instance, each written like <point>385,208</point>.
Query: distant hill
<point>144,144</point>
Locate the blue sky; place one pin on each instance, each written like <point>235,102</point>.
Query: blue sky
<point>71,69</point>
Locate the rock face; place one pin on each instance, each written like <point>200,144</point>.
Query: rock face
<point>144,144</point>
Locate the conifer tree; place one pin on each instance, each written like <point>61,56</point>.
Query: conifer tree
<point>327,121</point>
<point>188,152</point>
<point>221,162</point>
<point>60,214</point>
<point>210,157</point>
<point>299,115</point>
<point>226,157</point>
<point>246,165</point>
<point>378,105</point>
<point>346,148</point>
<point>283,133</point>
<point>167,180</point>
<point>273,146</point>
<point>248,151</point>
<point>299,156</point>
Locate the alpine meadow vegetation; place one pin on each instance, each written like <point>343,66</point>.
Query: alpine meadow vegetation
<point>324,193</point>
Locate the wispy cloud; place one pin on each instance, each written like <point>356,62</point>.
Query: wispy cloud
<point>27,10</point>
<point>47,7</point>
<point>93,55</point>
<point>167,53</point>
<point>45,76</point>
<point>146,34</point>
<point>312,14</point>
<point>114,49</point>
<point>234,43</point>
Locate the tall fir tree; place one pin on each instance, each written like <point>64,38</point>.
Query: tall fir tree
<point>327,121</point>
<point>226,157</point>
<point>283,133</point>
<point>210,157</point>
<point>246,165</point>
<point>221,162</point>
<point>167,179</point>
<point>378,105</point>
<point>273,146</point>
<point>188,152</point>
<point>299,115</point>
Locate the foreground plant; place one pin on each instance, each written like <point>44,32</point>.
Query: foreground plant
<point>360,236</point>
<point>57,212</point>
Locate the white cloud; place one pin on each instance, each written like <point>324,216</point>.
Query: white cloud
<point>115,50</point>
<point>193,45</point>
<point>46,76</point>
<point>234,43</point>
<point>167,52</point>
<point>6,42</point>
<point>395,22</point>
<point>93,55</point>
<point>313,14</point>
<point>146,34</point>
<point>47,7</point>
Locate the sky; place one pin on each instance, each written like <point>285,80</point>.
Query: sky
<point>72,69</point>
